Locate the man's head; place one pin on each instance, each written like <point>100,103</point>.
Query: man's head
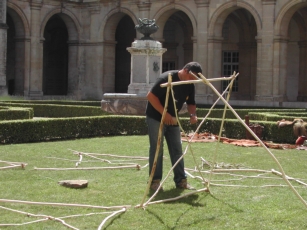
<point>185,74</point>
<point>194,67</point>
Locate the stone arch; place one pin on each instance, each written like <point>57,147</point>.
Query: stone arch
<point>299,20</point>
<point>18,63</point>
<point>111,65</point>
<point>219,16</point>
<point>71,21</point>
<point>244,45</point>
<point>106,30</point>
<point>164,13</point>
<point>74,31</point>
<point>285,15</point>
<point>295,48</point>
<point>19,19</point>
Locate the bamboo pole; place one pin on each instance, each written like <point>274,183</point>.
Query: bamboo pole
<point>201,123</point>
<point>113,214</point>
<point>13,166</point>
<point>197,81</point>
<point>233,77</point>
<point>289,178</point>
<point>45,218</point>
<point>110,155</point>
<point>159,140</point>
<point>63,204</point>
<point>256,137</point>
<point>91,168</point>
<point>182,130</point>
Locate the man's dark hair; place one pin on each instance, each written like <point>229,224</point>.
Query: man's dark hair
<point>194,67</point>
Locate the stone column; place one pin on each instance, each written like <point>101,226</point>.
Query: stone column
<point>245,84</point>
<point>302,80</point>
<point>109,69</point>
<point>214,64</point>
<point>22,65</point>
<point>27,67</point>
<point>76,69</point>
<point>200,50</point>
<point>3,47</point>
<point>265,86</point>
<point>94,12</point>
<point>146,65</point>
<point>36,53</point>
<point>280,69</point>
<point>94,52</point>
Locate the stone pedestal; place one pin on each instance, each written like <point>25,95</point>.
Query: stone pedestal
<point>146,65</point>
<point>124,103</point>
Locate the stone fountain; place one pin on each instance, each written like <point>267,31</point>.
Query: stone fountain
<point>146,67</point>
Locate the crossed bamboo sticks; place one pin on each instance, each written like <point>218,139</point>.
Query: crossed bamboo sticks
<point>202,79</point>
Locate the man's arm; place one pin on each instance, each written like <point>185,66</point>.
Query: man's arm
<point>192,113</point>
<point>155,102</point>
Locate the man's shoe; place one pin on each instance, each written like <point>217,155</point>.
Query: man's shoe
<point>155,185</point>
<point>183,184</point>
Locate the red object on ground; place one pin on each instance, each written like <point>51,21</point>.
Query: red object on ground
<point>300,140</point>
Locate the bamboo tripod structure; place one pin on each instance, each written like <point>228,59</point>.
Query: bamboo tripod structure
<point>169,89</point>
<point>206,81</point>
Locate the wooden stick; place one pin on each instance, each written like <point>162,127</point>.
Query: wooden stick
<point>189,142</point>
<point>255,136</point>
<point>45,217</point>
<point>90,168</point>
<point>158,142</point>
<point>113,214</point>
<point>289,178</point>
<point>204,119</point>
<point>221,127</point>
<point>97,158</point>
<point>12,163</point>
<point>247,186</point>
<point>111,155</point>
<point>188,145</point>
<point>197,81</point>
<point>63,204</point>
<point>13,166</point>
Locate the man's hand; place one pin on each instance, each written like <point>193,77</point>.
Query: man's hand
<point>169,120</point>
<point>193,119</point>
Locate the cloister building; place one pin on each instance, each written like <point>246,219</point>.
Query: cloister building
<point>77,49</point>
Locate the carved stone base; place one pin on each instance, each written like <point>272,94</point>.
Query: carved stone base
<point>124,103</point>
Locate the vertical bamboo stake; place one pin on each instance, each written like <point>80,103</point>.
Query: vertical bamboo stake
<point>221,128</point>
<point>201,123</point>
<point>159,139</point>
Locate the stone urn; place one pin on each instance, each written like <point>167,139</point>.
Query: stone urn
<point>147,27</point>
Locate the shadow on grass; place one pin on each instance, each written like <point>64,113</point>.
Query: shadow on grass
<point>173,193</point>
<point>227,204</point>
<point>194,200</point>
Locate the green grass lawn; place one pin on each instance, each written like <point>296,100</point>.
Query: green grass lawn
<point>244,200</point>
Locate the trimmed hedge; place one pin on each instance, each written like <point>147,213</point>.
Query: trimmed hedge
<point>73,121</point>
<point>55,102</point>
<point>15,113</point>
<point>84,127</point>
<point>218,113</point>
<point>52,110</point>
<point>70,128</point>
